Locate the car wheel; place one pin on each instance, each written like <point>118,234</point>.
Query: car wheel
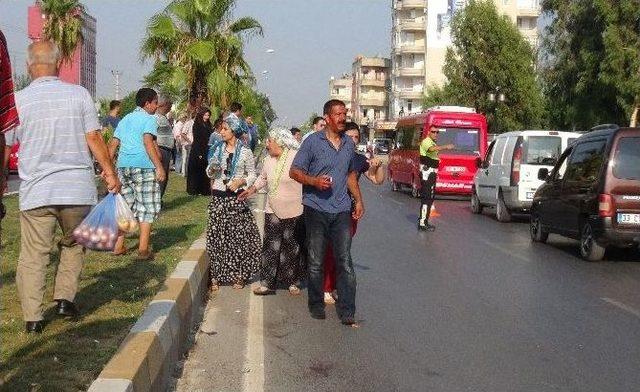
<point>476,206</point>
<point>502,212</point>
<point>590,250</point>
<point>538,233</point>
<point>415,191</point>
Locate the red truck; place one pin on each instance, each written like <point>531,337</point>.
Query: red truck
<point>460,126</point>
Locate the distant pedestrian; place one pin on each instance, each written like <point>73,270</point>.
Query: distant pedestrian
<point>253,133</point>
<point>186,139</point>
<point>140,168</point>
<point>429,161</point>
<point>59,133</point>
<point>297,134</point>
<point>318,124</point>
<point>113,117</point>
<point>177,137</point>
<point>165,138</point>
<point>8,114</point>
<point>283,209</point>
<point>215,137</point>
<point>197,181</point>
<point>374,172</point>
<point>324,166</point>
<point>233,240</point>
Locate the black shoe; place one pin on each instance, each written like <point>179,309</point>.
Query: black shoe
<point>318,314</point>
<point>66,308</point>
<point>34,326</point>
<point>426,227</point>
<point>348,321</point>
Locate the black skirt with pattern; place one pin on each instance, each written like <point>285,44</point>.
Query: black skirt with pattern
<point>233,241</point>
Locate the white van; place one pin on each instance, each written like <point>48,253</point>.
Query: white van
<point>508,176</point>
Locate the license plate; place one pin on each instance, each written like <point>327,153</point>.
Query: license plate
<point>530,195</point>
<point>629,219</point>
<point>455,169</point>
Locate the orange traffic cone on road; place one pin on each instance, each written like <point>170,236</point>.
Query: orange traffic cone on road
<point>434,213</point>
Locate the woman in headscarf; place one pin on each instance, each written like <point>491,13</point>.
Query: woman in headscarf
<point>197,181</point>
<point>233,240</point>
<point>281,248</point>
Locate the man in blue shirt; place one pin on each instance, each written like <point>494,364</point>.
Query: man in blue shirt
<point>324,166</point>
<point>140,168</point>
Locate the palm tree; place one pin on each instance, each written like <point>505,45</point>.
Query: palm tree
<point>198,50</point>
<point>63,24</point>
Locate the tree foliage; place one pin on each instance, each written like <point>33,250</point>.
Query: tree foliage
<point>199,58</point>
<point>490,56</point>
<point>591,68</point>
<point>63,24</point>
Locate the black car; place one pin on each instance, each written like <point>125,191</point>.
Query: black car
<point>593,192</point>
<point>382,146</point>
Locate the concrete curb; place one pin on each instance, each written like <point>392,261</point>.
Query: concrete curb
<point>145,359</point>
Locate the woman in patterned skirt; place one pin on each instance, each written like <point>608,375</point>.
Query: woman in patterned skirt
<point>281,248</point>
<point>233,240</point>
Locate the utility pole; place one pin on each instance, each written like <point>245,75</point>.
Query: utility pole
<point>116,74</point>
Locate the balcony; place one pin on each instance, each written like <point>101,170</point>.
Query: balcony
<point>410,94</point>
<point>417,24</point>
<point>373,101</point>
<point>409,4</point>
<point>342,97</point>
<point>410,48</point>
<point>373,82</point>
<point>410,72</point>
<point>528,8</point>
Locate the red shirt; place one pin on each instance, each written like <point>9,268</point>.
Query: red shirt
<point>8,112</point>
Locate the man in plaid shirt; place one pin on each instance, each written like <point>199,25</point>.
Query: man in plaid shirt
<point>8,113</point>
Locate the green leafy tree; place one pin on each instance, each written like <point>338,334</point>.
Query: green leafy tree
<point>490,56</point>
<point>591,67</point>
<point>198,51</point>
<point>63,24</point>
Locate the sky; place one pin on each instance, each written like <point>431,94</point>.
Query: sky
<point>312,41</point>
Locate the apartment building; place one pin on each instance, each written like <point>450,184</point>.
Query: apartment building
<point>340,88</point>
<point>433,37</point>
<point>370,90</point>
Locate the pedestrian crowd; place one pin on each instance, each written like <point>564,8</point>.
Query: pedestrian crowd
<point>313,200</point>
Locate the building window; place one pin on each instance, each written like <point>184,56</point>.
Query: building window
<point>409,105</point>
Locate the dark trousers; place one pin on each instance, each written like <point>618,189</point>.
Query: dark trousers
<point>165,157</point>
<point>324,228</point>
<point>427,195</point>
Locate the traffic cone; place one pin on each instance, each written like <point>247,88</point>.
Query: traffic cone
<point>434,213</point>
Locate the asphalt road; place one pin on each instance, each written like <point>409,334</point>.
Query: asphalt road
<point>474,306</point>
<point>13,183</point>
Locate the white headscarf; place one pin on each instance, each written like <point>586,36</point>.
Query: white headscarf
<point>283,138</point>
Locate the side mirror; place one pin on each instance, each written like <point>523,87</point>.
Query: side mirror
<point>543,174</point>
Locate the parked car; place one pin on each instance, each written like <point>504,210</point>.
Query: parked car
<point>382,145</point>
<point>460,126</point>
<point>508,176</point>
<point>13,158</point>
<point>593,193</point>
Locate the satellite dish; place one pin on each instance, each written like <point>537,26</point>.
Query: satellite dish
<point>265,72</point>
<point>270,50</point>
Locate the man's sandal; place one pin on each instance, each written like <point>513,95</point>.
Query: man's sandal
<point>263,290</point>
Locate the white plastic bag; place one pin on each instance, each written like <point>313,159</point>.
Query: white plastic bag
<point>127,222</point>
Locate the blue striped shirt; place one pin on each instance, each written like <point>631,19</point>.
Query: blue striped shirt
<point>55,163</point>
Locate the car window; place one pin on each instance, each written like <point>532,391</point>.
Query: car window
<point>626,162</point>
<point>408,136</point>
<point>585,162</point>
<point>497,154</point>
<point>562,168</point>
<point>487,157</point>
<point>542,150</point>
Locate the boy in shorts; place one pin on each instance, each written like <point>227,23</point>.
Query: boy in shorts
<point>139,167</point>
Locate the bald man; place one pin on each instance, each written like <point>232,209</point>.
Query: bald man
<point>58,134</point>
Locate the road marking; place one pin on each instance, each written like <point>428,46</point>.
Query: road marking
<point>254,365</point>
<point>622,306</point>
<point>396,201</point>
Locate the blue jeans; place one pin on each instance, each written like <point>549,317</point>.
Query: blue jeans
<point>177,162</point>
<point>321,228</point>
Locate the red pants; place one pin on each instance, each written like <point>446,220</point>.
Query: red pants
<point>330,263</point>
